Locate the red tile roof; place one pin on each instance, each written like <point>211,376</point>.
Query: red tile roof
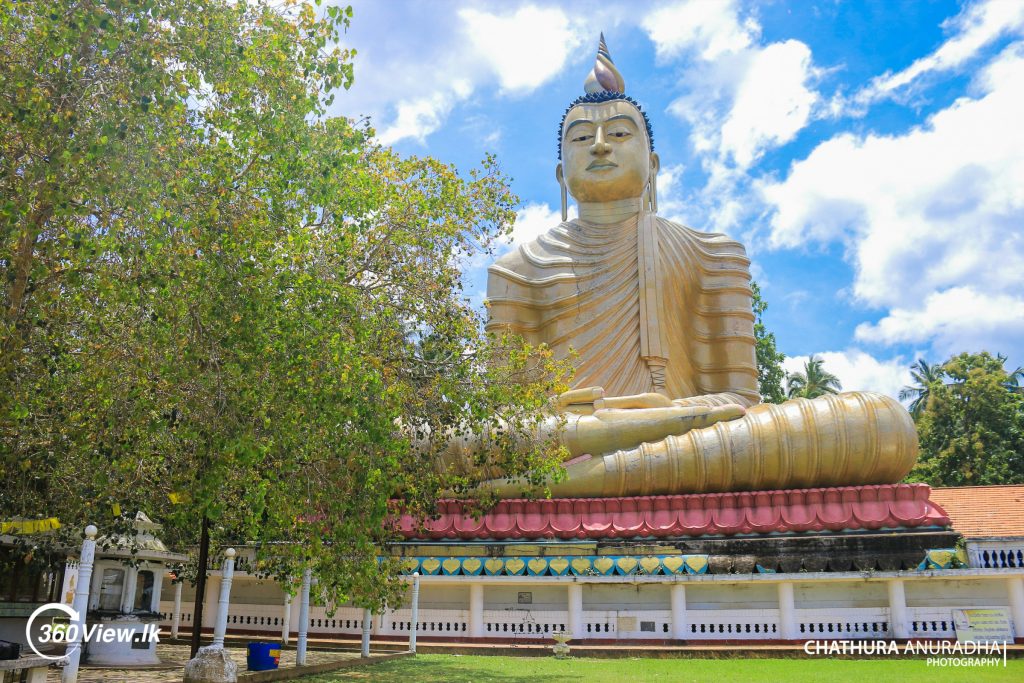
<point>983,511</point>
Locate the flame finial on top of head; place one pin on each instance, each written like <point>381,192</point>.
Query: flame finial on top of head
<point>604,77</point>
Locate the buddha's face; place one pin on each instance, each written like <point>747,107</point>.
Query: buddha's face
<point>605,152</point>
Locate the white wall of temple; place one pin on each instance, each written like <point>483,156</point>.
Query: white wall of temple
<point>703,607</point>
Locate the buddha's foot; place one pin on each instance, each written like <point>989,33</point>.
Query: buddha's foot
<point>836,440</point>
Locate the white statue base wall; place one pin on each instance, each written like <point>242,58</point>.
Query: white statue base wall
<point>734,607</point>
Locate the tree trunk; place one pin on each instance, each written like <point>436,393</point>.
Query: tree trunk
<point>197,612</point>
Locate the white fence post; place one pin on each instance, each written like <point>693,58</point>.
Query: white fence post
<point>415,611</point>
<point>80,605</point>
<point>176,619</point>
<point>286,626</point>
<point>300,647</point>
<point>225,598</point>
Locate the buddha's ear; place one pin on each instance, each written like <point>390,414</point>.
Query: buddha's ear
<point>655,163</point>
<point>558,173</point>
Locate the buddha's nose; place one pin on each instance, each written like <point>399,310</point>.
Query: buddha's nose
<point>600,147</point>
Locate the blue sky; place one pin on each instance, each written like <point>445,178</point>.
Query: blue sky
<point>870,155</point>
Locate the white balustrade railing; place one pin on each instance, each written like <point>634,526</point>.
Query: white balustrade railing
<point>453,623</point>
<point>996,554</point>
<point>516,624</point>
<point>836,623</point>
<point>732,624</point>
<point>523,623</point>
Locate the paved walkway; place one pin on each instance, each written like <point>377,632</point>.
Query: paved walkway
<point>173,658</point>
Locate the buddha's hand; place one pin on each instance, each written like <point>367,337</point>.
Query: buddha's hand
<point>628,421</point>
<point>591,399</point>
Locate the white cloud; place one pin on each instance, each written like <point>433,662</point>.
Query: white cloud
<point>417,118</point>
<point>772,102</point>
<point>533,220</point>
<point>524,49</point>
<point>975,27</point>
<point>955,320</point>
<point>710,29</point>
<point>932,219</point>
<point>670,193</point>
<point>411,74</point>
<point>741,97</point>
<point>859,371</point>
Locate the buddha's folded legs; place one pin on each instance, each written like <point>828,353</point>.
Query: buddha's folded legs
<point>836,440</point>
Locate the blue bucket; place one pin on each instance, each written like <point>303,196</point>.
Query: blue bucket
<point>263,656</point>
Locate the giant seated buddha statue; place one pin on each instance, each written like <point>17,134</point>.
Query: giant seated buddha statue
<point>657,319</point>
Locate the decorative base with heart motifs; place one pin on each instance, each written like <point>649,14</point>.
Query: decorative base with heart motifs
<point>878,527</point>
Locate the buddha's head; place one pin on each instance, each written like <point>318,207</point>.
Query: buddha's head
<point>605,145</point>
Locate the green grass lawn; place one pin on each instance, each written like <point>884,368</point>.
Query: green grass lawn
<point>453,668</point>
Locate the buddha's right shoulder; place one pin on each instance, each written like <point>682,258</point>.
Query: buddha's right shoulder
<point>537,255</point>
<point>511,260</point>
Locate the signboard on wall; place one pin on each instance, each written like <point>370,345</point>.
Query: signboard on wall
<point>982,625</point>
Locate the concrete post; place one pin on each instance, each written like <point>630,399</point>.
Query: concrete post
<point>80,605</point>
<point>476,610</point>
<point>367,625</point>
<point>415,611</point>
<point>300,646</point>
<point>678,611</point>
<point>286,619</point>
<point>131,579</point>
<point>227,574</point>
<point>176,618</point>
<point>158,589</point>
<point>574,622</point>
<point>1015,587</point>
<point>787,611</point>
<point>380,621</point>
<point>897,609</point>
<point>213,583</point>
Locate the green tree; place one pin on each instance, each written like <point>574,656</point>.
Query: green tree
<point>814,381</point>
<point>925,377</point>
<point>972,427</point>
<point>769,360</point>
<point>210,292</point>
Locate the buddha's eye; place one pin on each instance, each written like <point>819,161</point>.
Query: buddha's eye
<point>620,134</point>
<point>582,138</point>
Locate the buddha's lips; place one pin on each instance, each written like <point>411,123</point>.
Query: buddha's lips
<point>597,165</point>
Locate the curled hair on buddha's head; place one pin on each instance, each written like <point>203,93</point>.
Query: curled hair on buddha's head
<point>604,84</point>
<point>605,96</point>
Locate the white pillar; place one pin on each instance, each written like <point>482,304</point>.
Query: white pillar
<point>380,621</point>
<point>897,609</point>
<point>678,611</point>
<point>225,598</point>
<point>1015,586</point>
<point>787,611</point>
<point>213,583</point>
<point>476,610</point>
<point>415,617</point>
<point>158,589</point>
<point>300,646</point>
<point>176,619</point>
<point>131,580</point>
<point>80,605</point>
<point>367,625</point>
<point>286,626</point>
<point>575,618</point>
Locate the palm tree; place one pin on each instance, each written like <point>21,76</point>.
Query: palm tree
<point>1013,378</point>
<point>925,376</point>
<point>814,381</point>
